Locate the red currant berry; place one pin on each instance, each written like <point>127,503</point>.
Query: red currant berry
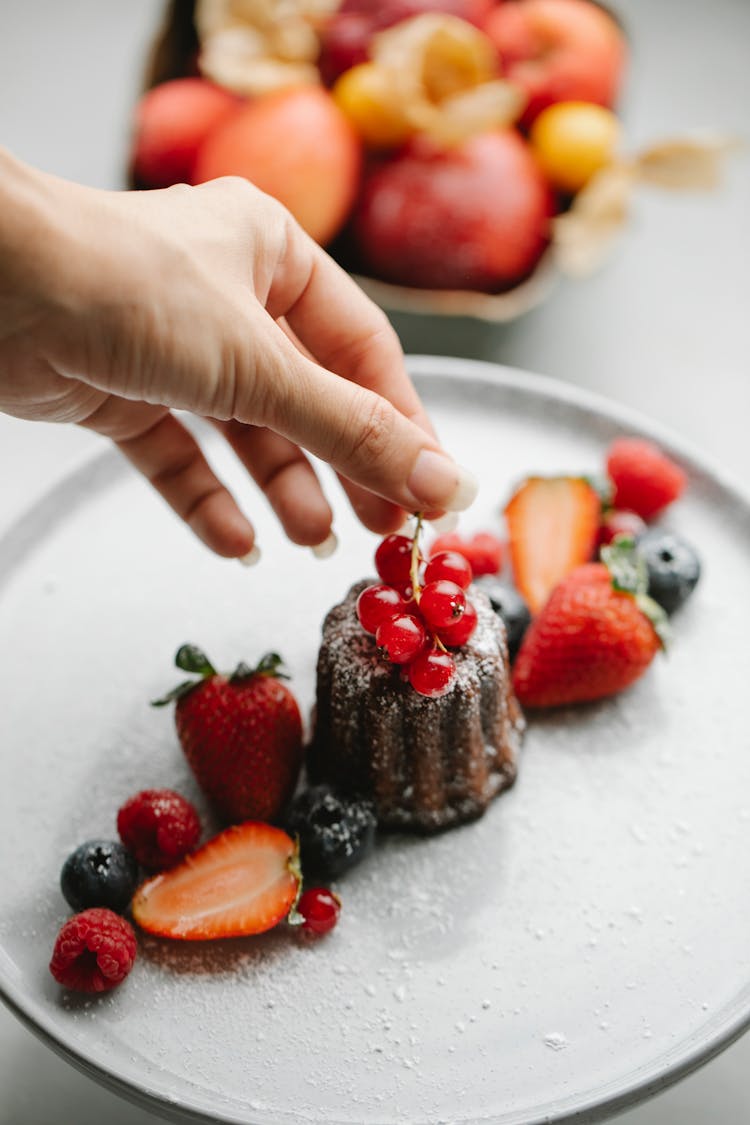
<point>442,603</point>
<point>485,553</point>
<point>450,565</point>
<point>400,639</point>
<point>320,909</point>
<point>393,559</point>
<point>458,634</point>
<point>432,672</point>
<point>377,604</point>
<point>620,522</point>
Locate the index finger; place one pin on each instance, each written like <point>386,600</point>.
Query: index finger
<point>344,330</point>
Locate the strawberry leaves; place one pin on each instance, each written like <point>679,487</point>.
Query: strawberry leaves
<point>629,573</point>
<point>190,658</point>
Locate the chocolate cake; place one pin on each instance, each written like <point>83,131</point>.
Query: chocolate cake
<point>428,764</point>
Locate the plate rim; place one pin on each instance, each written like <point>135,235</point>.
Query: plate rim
<point>600,1105</point>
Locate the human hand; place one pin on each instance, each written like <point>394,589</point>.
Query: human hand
<point>118,308</point>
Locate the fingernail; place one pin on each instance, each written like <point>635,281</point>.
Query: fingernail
<point>438,482</point>
<point>446,523</point>
<point>325,549</point>
<point>251,558</point>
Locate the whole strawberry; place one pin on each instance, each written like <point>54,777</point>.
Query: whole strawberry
<point>597,633</point>
<point>241,734</point>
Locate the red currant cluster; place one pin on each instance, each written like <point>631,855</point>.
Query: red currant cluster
<point>419,611</point>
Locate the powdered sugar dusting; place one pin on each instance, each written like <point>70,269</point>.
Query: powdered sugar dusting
<point>427,763</point>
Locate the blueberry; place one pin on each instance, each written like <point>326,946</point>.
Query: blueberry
<point>510,608</point>
<point>335,832</point>
<point>99,873</point>
<point>673,567</point>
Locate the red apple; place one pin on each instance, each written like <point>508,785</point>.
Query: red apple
<point>472,217</point>
<point>559,51</point>
<point>346,39</point>
<point>344,43</point>
<point>171,122</point>
<point>297,146</point>
<point>388,12</point>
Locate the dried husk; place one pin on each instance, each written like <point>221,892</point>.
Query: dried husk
<point>584,236</point>
<point>686,163</point>
<point>442,72</point>
<point>257,46</point>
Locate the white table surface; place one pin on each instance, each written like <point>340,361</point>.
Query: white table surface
<point>664,328</point>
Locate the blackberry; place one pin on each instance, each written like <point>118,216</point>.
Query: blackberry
<point>510,608</point>
<point>673,567</point>
<point>99,873</point>
<point>335,832</point>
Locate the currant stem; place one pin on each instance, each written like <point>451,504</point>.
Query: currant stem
<point>414,575</point>
<point>414,570</point>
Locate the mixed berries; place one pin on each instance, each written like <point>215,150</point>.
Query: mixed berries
<point>596,626</point>
<point>585,615</point>
<point>419,611</point>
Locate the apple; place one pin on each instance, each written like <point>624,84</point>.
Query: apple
<point>346,39</point>
<point>388,12</point>
<point>296,145</point>
<point>475,216</point>
<point>344,43</point>
<point>171,122</point>
<point>558,51</point>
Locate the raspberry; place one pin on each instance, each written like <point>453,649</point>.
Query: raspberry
<point>645,479</point>
<point>159,827</point>
<point>94,951</point>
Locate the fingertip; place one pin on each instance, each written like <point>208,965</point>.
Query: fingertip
<point>219,523</point>
<point>374,513</point>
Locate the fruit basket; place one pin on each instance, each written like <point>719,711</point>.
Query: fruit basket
<point>455,156</point>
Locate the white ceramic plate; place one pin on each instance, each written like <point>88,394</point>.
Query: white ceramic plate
<point>582,945</point>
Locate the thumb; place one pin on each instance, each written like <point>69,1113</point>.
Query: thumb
<point>358,432</point>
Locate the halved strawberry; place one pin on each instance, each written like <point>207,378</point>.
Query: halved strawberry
<point>243,881</point>
<point>553,524</point>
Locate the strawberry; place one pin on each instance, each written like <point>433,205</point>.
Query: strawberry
<point>244,881</point>
<point>483,551</point>
<point>645,479</point>
<point>597,633</point>
<point>241,734</point>
<point>553,524</point>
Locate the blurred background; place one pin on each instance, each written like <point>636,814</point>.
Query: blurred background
<point>662,326</point>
